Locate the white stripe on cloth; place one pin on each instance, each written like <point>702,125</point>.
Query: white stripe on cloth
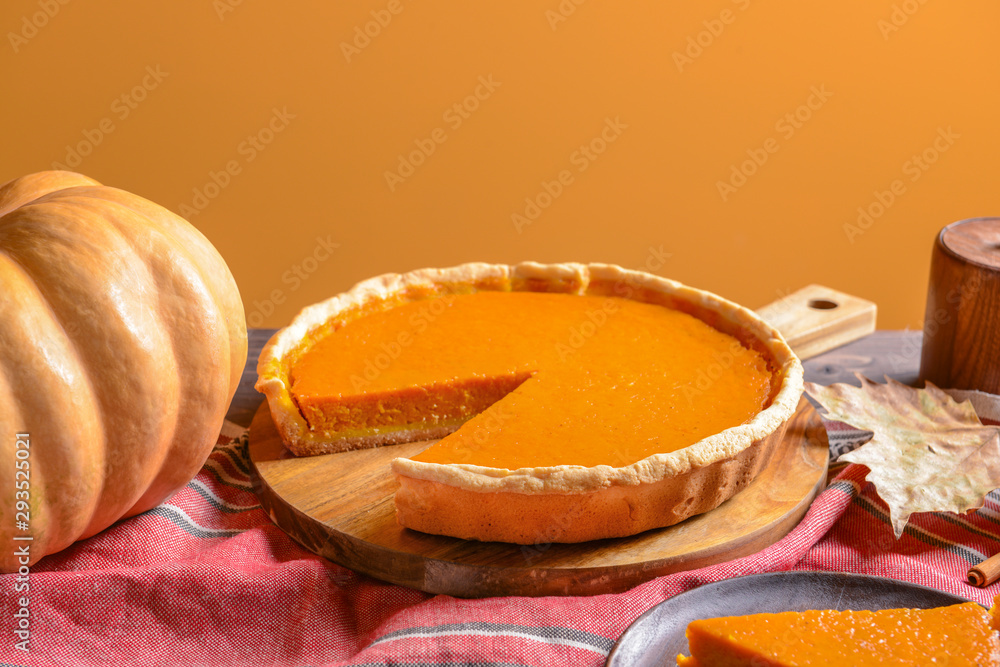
<point>215,500</point>
<point>500,630</point>
<point>183,520</point>
<point>219,470</point>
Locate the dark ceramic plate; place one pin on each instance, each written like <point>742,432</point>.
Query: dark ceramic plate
<point>656,637</point>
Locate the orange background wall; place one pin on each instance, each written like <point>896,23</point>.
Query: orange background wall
<point>728,144</point>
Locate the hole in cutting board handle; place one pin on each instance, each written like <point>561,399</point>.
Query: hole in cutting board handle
<point>823,304</point>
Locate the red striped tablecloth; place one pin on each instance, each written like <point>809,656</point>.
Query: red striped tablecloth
<point>206,579</point>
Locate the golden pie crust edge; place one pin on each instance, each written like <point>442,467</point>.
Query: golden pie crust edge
<point>556,503</point>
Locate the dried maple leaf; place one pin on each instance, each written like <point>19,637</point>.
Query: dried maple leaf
<point>929,453</point>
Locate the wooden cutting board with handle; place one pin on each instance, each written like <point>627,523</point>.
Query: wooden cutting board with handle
<point>341,505</point>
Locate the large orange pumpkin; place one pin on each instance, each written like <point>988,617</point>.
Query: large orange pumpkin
<point>122,341</point>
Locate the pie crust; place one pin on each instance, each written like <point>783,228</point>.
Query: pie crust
<point>561,503</point>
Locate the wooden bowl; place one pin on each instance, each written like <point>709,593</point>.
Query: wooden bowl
<point>961,347</point>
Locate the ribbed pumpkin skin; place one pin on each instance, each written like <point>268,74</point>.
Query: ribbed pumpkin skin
<point>122,341</point>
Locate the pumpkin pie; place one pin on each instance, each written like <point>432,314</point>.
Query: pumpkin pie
<point>572,402</point>
<point>960,634</point>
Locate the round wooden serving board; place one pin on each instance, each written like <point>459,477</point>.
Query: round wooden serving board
<point>340,506</point>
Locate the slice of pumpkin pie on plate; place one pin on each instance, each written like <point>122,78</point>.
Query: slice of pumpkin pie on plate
<point>572,402</point>
<point>955,635</point>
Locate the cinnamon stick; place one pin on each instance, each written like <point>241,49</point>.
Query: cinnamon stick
<point>986,572</point>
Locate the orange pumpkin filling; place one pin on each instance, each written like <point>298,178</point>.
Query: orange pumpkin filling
<point>955,635</point>
<point>537,379</point>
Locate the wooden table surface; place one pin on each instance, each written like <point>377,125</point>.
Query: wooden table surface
<point>892,353</point>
